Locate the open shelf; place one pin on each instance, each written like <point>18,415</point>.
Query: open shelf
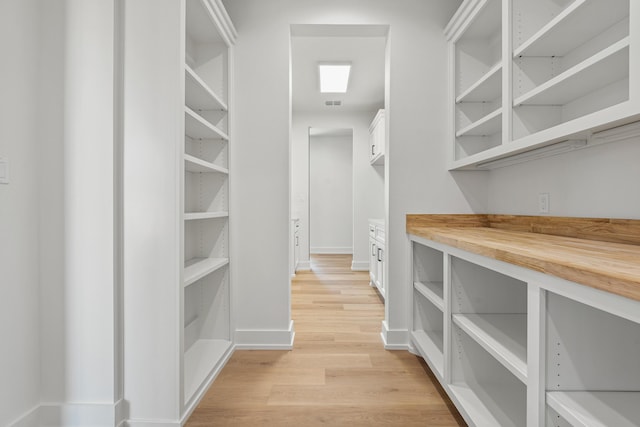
<point>432,291</point>
<point>196,165</point>
<point>598,71</point>
<point>488,87</point>
<point>197,268</point>
<point>196,127</point>
<point>428,331</point>
<point>192,216</point>
<point>504,336</point>
<point>486,391</point>
<point>201,361</point>
<point>597,408</point>
<point>430,345</point>
<point>579,22</point>
<point>487,412</point>
<point>488,125</point>
<point>199,95</point>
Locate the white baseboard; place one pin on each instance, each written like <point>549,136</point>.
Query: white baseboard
<point>153,424</point>
<point>359,265</point>
<point>304,266</point>
<point>75,415</point>
<point>265,339</point>
<point>331,250</point>
<point>394,339</point>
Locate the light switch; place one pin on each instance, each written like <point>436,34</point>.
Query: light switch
<point>4,171</point>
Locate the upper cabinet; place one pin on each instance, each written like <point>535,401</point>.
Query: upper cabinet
<point>535,78</point>
<point>377,139</point>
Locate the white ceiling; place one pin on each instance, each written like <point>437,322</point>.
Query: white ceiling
<point>366,82</point>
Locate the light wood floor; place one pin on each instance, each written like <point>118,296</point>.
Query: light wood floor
<point>338,373</point>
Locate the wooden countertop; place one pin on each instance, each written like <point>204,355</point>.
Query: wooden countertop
<point>608,266</point>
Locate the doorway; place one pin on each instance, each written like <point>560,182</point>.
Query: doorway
<point>364,47</point>
<point>330,191</point>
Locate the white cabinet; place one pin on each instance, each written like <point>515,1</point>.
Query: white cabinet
<point>377,139</point>
<point>527,75</point>
<point>514,347</point>
<point>295,245</point>
<point>377,255</point>
<point>206,319</point>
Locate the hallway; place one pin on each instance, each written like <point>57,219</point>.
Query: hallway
<point>338,372</point>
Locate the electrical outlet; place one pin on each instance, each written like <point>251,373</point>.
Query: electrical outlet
<point>543,203</point>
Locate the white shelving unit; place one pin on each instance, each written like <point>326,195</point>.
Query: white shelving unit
<point>207,342</point>
<point>515,347</point>
<point>377,139</point>
<point>178,290</point>
<point>477,80</point>
<point>530,74</point>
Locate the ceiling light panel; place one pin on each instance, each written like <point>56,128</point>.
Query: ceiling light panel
<point>334,78</point>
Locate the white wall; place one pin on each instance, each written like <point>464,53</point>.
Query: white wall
<point>417,180</point>
<point>60,221</point>
<point>595,182</point>
<point>19,291</point>
<point>331,194</point>
<point>368,181</point>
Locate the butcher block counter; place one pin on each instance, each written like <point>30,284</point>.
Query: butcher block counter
<point>596,252</point>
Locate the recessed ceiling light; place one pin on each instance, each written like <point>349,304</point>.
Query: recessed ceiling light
<point>334,78</point>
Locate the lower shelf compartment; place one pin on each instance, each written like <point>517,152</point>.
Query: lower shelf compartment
<point>486,407</point>
<point>429,345</point>
<point>202,361</point>
<point>597,408</point>
<point>504,336</point>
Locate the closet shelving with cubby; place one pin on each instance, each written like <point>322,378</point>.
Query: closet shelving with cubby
<point>515,345</point>
<point>207,341</point>
<point>567,69</point>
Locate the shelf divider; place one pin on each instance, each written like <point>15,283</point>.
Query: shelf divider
<point>199,95</point>
<point>481,90</point>
<point>192,216</point>
<point>431,291</point>
<point>504,336</point>
<point>197,268</point>
<point>196,165</point>
<point>597,408</point>
<point>488,125</point>
<point>197,127</point>
<point>608,65</point>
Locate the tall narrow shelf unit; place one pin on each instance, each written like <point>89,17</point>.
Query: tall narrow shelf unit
<point>531,74</point>
<point>206,294</point>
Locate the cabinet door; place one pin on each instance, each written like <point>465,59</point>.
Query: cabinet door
<point>380,267</point>
<point>372,145</point>
<point>380,136</point>
<point>373,260</point>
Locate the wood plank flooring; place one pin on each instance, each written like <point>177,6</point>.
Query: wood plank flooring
<point>338,373</point>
